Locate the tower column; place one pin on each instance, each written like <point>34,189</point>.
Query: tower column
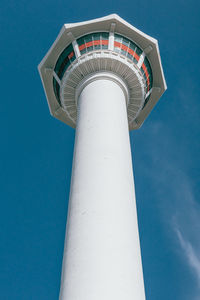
<point>102,258</point>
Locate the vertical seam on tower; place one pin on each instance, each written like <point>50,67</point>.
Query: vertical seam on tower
<point>76,49</point>
<point>111,37</point>
<point>141,60</point>
<point>56,77</point>
<point>111,41</point>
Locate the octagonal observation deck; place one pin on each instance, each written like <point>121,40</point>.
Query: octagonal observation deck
<point>110,45</point>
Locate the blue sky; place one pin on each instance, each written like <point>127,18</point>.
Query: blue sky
<point>36,151</point>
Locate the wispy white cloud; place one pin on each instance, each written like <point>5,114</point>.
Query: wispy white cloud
<point>185,222</point>
<point>179,209</point>
<point>190,253</point>
<point>182,211</point>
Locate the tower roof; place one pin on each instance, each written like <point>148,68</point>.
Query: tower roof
<point>105,44</point>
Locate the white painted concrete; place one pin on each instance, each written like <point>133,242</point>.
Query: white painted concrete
<point>141,60</point>
<point>102,252</point>
<point>111,41</point>
<point>76,48</point>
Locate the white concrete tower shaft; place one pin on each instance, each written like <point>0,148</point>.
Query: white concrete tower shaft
<point>102,77</point>
<point>102,259</point>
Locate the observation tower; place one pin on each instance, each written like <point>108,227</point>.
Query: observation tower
<point>102,77</point>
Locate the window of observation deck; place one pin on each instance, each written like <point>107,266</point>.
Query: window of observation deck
<point>64,60</point>
<point>99,41</point>
<point>132,51</point>
<point>147,73</point>
<point>127,48</point>
<point>56,88</point>
<point>93,41</point>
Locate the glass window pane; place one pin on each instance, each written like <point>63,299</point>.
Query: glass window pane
<point>64,60</point>
<point>88,38</point>
<point>80,41</point>
<point>105,35</point>
<point>118,38</point>
<point>96,36</point>
<point>138,51</point>
<point>125,41</point>
<point>83,51</point>
<point>123,52</point>
<point>56,88</point>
